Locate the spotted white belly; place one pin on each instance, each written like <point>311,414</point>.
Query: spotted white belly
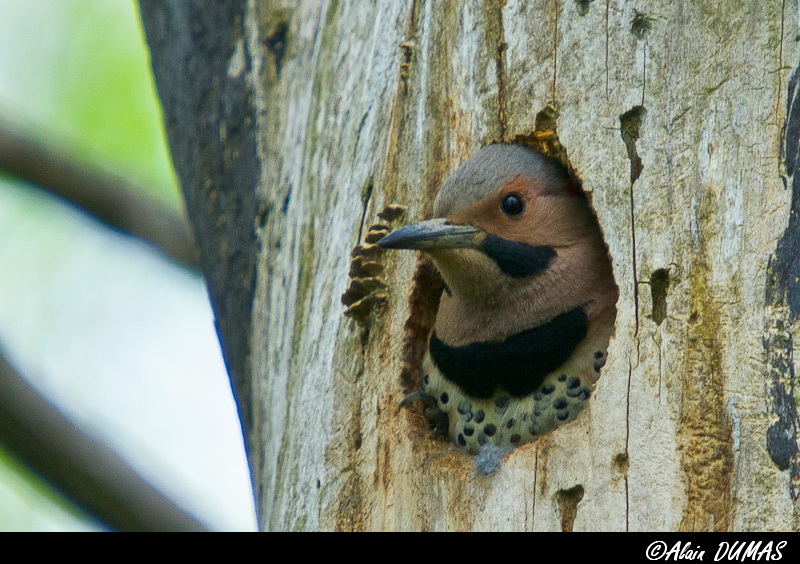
<point>503,420</point>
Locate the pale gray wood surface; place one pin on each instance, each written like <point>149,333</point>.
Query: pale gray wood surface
<point>365,104</point>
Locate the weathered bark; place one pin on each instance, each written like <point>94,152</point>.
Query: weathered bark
<point>210,121</point>
<point>672,113</point>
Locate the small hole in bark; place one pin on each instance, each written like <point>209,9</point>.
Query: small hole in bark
<point>275,42</point>
<point>583,6</point>
<point>630,127</point>
<point>568,501</point>
<point>640,25</point>
<point>659,284</point>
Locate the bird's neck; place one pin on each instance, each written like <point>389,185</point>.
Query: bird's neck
<point>484,307</point>
<point>500,311</point>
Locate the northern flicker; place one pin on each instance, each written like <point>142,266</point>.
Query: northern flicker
<point>529,302</point>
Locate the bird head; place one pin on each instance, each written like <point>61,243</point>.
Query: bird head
<point>516,243</point>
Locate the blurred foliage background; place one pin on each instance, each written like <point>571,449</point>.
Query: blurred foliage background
<point>120,337</point>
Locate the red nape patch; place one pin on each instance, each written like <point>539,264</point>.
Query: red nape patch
<point>573,188</point>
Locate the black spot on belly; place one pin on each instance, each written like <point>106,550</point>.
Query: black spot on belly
<point>515,438</point>
<point>469,430</point>
<point>516,365</point>
<point>461,440</point>
<point>490,429</point>
<point>480,416</point>
<point>560,403</point>
<point>444,398</point>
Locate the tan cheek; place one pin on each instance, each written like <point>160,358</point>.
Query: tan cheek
<point>484,214</point>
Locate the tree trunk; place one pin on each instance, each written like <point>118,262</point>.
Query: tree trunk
<point>298,126</point>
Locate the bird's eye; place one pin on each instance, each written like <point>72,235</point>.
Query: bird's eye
<point>513,204</point>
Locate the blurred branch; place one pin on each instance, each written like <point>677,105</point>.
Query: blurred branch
<point>111,199</point>
<point>86,471</point>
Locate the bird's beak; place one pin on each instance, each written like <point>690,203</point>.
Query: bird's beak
<point>433,234</point>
